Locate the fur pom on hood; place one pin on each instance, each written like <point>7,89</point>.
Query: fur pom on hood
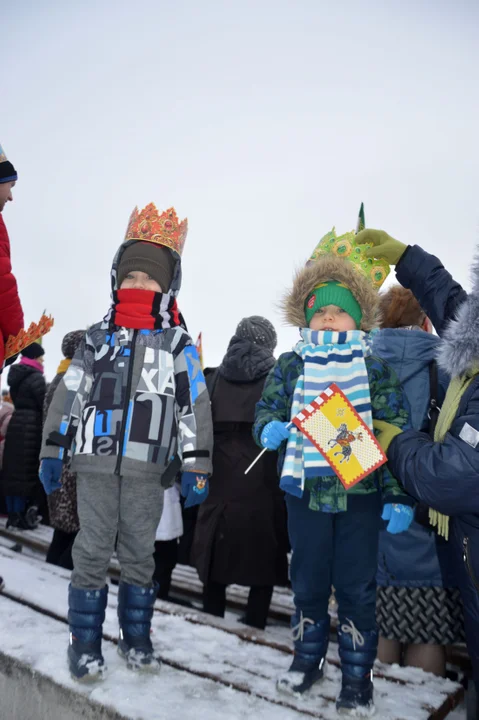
<point>330,267</point>
<point>459,351</point>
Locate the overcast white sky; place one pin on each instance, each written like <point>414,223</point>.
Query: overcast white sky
<point>265,122</point>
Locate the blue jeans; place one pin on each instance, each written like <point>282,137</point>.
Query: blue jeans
<point>335,549</point>
<point>15,504</point>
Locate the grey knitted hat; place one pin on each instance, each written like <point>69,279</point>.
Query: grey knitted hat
<point>155,260</point>
<point>258,330</point>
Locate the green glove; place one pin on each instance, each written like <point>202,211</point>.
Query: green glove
<point>385,433</point>
<point>384,246</point>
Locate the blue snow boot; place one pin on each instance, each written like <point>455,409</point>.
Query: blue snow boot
<point>310,645</point>
<point>86,614</point>
<point>135,610</point>
<point>357,652</point>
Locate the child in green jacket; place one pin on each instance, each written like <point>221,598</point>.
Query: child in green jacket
<point>333,532</point>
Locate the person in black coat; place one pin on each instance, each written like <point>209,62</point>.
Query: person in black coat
<point>62,503</point>
<point>20,483</point>
<point>241,532</point>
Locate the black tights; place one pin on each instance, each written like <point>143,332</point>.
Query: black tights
<point>60,551</point>
<point>259,600</point>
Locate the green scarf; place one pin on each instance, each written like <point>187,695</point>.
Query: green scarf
<point>455,391</point>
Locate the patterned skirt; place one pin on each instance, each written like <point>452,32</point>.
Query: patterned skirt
<point>420,615</point>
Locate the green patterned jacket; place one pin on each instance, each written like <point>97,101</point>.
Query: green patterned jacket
<point>388,403</point>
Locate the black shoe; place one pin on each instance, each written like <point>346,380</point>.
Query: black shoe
<point>2,584</point>
<point>17,521</point>
<point>31,517</point>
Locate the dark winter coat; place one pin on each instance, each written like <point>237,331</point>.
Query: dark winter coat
<point>241,532</point>
<point>446,475</point>
<point>24,434</point>
<point>417,557</point>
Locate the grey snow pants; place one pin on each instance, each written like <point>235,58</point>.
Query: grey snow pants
<point>109,505</point>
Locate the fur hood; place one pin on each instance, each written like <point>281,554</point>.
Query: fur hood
<point>330,267</point>
<point>459,351</point>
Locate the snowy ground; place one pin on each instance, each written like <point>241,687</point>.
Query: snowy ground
<point>198,649</point>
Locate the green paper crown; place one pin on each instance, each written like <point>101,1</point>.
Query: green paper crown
<point>345,246</point>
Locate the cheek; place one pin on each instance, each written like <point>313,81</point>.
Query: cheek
<point>348,323</point>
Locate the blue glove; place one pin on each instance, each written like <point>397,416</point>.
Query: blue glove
<point>273,434</point>
<point>399,516</point>
<point>194,487</point>
<point>50,474</point>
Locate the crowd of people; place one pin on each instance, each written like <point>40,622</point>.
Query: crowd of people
<point>135,447</point>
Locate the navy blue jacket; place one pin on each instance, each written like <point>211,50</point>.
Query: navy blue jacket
<point>417,557</point>
<point>445,475</point>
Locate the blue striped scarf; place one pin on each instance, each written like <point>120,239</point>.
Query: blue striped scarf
<point>329,357</point>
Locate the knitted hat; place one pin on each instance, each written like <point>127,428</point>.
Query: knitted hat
<point>155,260</point>
<point>71,343</point>
<point>7,171</point>
<point>257,330</point>
<point>333,293</point>
<point>33,351</point>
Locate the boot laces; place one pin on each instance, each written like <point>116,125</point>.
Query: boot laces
<point>298,630</point>
<point>352,630</point>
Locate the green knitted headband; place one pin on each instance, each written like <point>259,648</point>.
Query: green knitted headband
<point>333,293</point>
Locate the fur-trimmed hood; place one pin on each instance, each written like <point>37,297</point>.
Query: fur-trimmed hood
<point>459,351</point>
<point>330,267</point>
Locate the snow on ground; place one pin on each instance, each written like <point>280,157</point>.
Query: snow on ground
<point>198,647</point>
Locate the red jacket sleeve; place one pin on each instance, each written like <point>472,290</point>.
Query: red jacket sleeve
<point>11,313</point>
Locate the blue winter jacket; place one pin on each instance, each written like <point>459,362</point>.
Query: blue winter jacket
<point>417,557</point>
<point>446,475</point>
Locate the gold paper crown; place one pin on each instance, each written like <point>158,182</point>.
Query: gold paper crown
<point>165,229</point>
<point>15,344</point>
<point>345,246</point>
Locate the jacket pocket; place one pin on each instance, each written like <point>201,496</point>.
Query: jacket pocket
<point>466,554</point>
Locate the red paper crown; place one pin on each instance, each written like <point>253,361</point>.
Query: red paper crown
<point>165,229</point>
<point>15,344</point>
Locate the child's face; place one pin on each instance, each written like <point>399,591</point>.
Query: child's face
<point>332,317</point>
<point>137,280</point>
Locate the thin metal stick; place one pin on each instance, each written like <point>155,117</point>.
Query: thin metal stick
<point>255,460</point>
<point>289,425</point>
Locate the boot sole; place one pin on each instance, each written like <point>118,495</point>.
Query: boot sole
<point>89,678</point>
<point>358,712</point>
<point>295,691</point>
<point>152,668</point>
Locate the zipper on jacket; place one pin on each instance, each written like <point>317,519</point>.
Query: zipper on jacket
<point>127,395</point>
<point>465,555</point>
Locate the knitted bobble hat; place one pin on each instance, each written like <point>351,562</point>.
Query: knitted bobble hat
<point>33,351</point>
<point>258,330</point>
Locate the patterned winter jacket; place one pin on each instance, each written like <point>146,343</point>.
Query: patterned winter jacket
<point>388,403</point>
<point>131,401</point>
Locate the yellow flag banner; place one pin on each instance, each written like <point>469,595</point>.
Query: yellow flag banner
<point>335,428</point>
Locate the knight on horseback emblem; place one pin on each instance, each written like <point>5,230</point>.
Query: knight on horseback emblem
<point>344,439</point>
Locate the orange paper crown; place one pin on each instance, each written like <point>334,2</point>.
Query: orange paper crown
<point>165,229</point>
<point>15,344</point>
